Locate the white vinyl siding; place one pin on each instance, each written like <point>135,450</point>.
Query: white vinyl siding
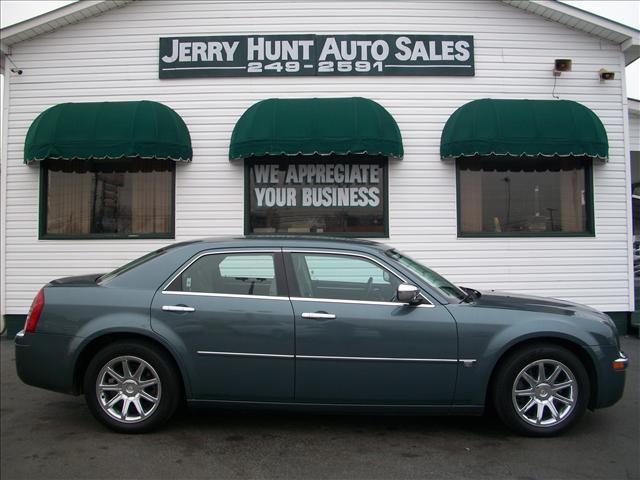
<point>114,57</point>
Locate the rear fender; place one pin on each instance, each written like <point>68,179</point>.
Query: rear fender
<point>123,330</point>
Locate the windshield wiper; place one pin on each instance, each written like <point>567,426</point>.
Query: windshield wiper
<point>470,294</point>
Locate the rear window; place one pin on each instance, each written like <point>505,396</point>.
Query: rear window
<point>106,278</point>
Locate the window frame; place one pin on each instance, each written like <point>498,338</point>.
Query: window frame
<point>294,290</point>
<point>43,206</point>
<point>590,216</point>
<point>278,266</point>
<point>247,197</point>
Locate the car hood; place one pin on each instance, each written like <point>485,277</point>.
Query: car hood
<point>513,301</point>
<point>542,310</point>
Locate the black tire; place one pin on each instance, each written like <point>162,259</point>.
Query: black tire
<point>571,372</point>
<point>167,390</point>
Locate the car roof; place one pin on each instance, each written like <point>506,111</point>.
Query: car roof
<point>164,261</point>
<point>304,241</point>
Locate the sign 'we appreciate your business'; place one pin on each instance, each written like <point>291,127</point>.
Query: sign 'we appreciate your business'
<point>293,55</point>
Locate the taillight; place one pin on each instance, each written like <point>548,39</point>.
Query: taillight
<point>34,312</point>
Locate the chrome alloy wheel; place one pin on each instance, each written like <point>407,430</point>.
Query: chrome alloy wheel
<point>128,389</point>
<point>544,393</point>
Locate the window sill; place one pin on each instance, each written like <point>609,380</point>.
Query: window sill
<point>526,235</point>
<point>321,234</point>
<point>148,236</point>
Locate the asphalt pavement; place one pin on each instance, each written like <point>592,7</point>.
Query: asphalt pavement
<point>45,435</point>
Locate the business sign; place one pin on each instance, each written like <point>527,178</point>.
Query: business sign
<point>320,185</point>
<point>306,196</point>
<point>315,55</point>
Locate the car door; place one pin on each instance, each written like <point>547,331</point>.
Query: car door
<point>355,344</point>
<point>230,314</point>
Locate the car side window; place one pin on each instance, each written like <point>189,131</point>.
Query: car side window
<point>229,273</point>
<point>343,277</point>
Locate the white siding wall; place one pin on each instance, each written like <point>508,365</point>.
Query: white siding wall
<point>115,57</point>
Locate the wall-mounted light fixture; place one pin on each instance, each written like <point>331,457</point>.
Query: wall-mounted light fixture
<point>561,65</point>
<point>15,69</point>
<point>606,74</point>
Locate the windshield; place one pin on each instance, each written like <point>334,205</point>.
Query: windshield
<point>133,264</point>
<point>445,287</point>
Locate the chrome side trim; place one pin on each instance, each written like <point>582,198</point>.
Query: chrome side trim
<point>243,354</point>
<point>362,302</point>
<point>332,357</point>
<point>265,297</point>
<point>378,359</point>
<point>217,252</point>
<point>467,362</point>
<point>228,295</point>
<point>301,299</point>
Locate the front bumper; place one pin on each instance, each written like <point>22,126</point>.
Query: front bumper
<point>44,361</point>
<point>611,368</point>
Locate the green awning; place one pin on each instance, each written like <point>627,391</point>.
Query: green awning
<point>315,126</point>
<point>108,130</point>
<point>524,128</point>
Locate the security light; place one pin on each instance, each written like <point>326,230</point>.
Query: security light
<point>606,74</point>
<point>561,65</point>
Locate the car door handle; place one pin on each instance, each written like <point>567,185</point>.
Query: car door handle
<point>177,308</point>
<point>319,315</point>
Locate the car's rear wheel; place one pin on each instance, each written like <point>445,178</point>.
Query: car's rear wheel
<point>541,390</point>
<point>131,387</point>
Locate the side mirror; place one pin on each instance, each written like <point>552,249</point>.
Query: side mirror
<point>408,293</point>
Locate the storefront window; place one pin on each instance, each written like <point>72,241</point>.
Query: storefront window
<point>335,195</point>
<point>635,193</point>
<point>635,205</point>
<point>510,197</point>
<point>119,199</point>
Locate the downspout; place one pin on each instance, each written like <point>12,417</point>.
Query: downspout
<point>628,181</point>
<point>4,162</point>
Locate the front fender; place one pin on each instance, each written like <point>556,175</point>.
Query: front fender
<point>485,335</point>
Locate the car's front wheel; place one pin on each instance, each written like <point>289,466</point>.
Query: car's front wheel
<point>131,387</point>
<point>541,390</point>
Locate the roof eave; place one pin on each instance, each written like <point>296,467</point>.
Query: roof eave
<point>617,33</point>
<point>631,50</point>
<point>55,19</point>
<point>627,37</point>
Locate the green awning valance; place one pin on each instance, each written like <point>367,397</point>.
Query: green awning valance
<point>313,126</point>
<point>526,128</point>
<point>108,130</point>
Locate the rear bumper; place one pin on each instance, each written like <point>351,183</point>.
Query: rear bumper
<point>611,380</point>
<point>44,361</point>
